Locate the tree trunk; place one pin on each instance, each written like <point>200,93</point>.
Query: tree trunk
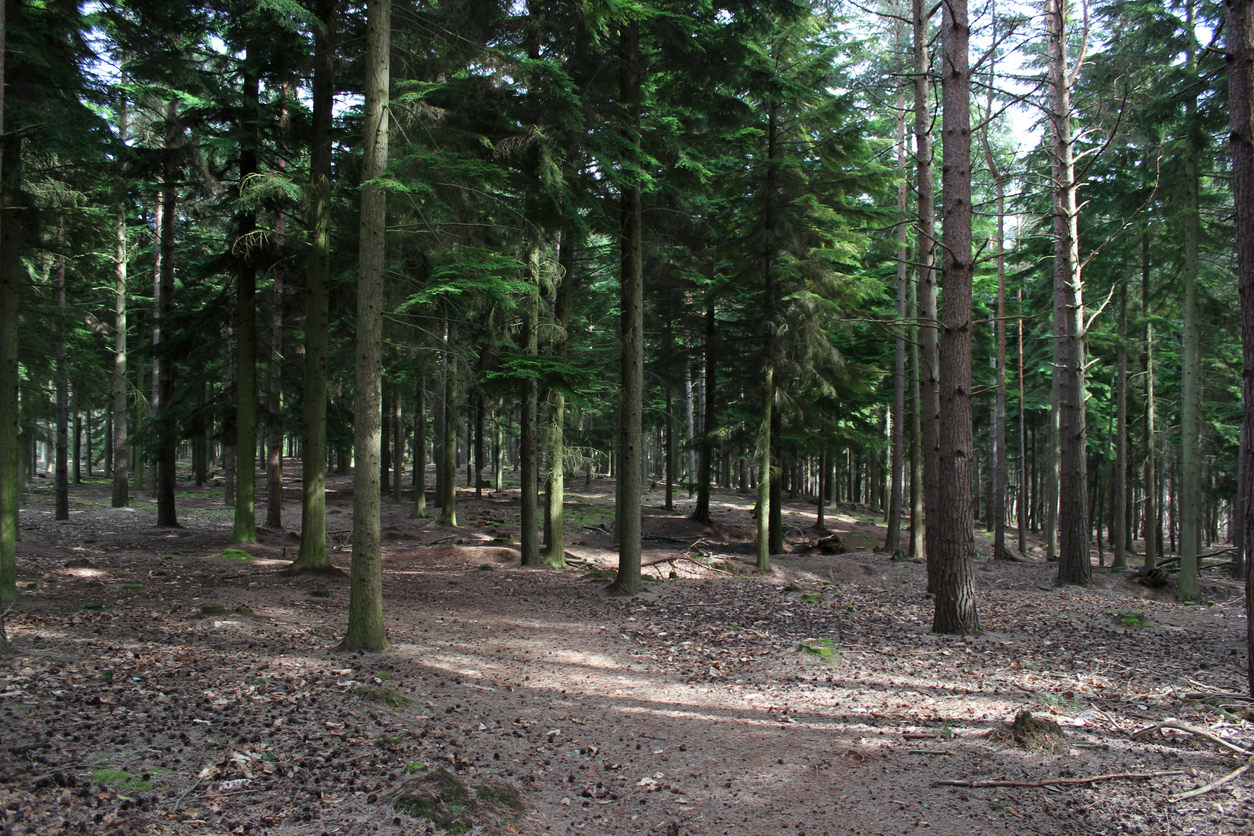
<point>244,253</point>
<point>556,495</point>
<point>166,426</point>
<point>1189,587</point>
<point>917,524</point>
<point>12,209</point>
<point>62,478</point>
<point>701,513</point>
<point>365,598</point>
<point>764,465</point>
<point>1119,487</point>
<point>121,486</point>
<point>529,449</point>
<point>274,424</point>
<point>447,462</point>
<point>896,419</point>
<point>313,448</point>
<point>954,550</point>
<point>631,404</point>
<point>1074,564</point>
<point>420,448</point>
<point>1151,516</point>
<point>1240,44</point>
<point>398,443</point>
<point>929,397</point>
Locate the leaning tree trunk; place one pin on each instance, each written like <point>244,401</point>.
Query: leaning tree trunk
<point>313,461</point>
<point>629,486</point>
<point>365,597</point>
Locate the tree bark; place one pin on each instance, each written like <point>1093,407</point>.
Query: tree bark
<point>897,422</point>
<point>244,253</point>
<point>447,462</point>
<point>62,372</point>
<point>166,426</point>
<point>11,223</point>
<point>631,328</point>
<point>365,598</point>
<point>529,449</point>
<point>1188,585</point>
<point>420,448</point>
<point>929,397</point>
<point>705,462</point>
<point>1119,487</point>
<point>1239,32</point>
<point>1074,564</point>
<point>555,554</point>
<point>121,486</point>
<point>274,438</point>
<point>313,453</point>
<point>956,610</point>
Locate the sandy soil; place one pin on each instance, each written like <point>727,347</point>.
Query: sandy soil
<point>162,685</point>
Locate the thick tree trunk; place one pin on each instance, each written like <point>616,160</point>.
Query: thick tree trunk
<point>954,551</point>
<point>631,330</point>
<point>365,598</point>
<point>555,554</point>
<point>1240,44</point>
<point>313,449</point>
<point>11,223</point>
<point>1189,587</point>
<point>1074,564</point>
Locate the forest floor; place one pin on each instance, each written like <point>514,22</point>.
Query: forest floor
<point>164,685</point>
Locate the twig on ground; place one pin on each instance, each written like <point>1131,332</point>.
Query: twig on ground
<point>1231,776</point>
<point>179,801</point>
<point>1202,733</point>
<point>1055,781</point>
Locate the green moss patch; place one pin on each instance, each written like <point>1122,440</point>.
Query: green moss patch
<point>116,779</point>
<point>440,798</point>
<point>1132,619</point>
<point>238,555</point>
<point>824,649</point>
<point>383,696</point>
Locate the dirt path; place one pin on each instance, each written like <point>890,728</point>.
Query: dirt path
<point>164,686</point>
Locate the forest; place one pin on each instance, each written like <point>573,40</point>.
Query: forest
<point>973,286</point>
